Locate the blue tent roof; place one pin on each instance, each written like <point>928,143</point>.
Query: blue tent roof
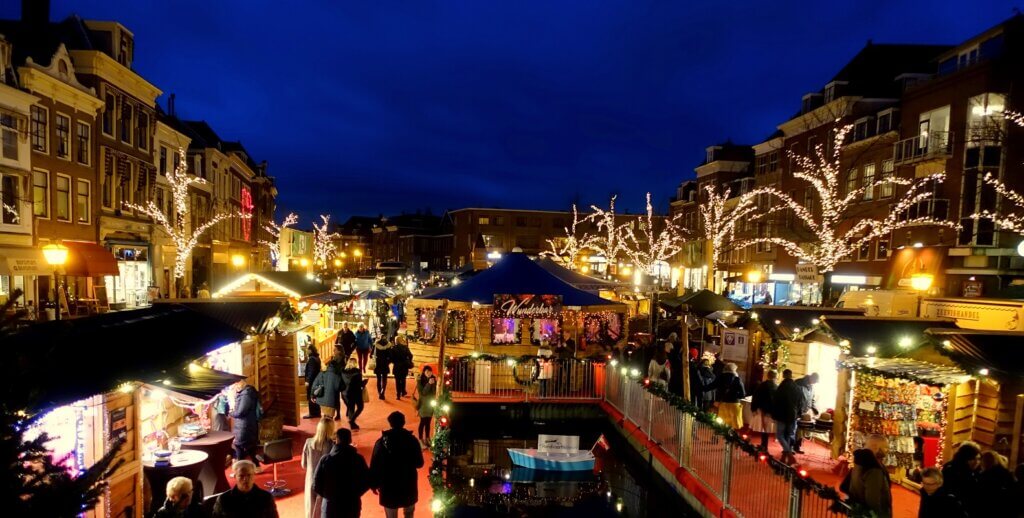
<point>517,274</point>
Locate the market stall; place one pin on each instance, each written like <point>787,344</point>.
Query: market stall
<point>513,308</point>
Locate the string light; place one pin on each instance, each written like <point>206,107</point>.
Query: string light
<point>647,246</point>
<point>719,215</point>
<point>323,241</point>
<point>574,243</point>
<point>184,239</point>
<point>833,244</point>
<point>274,230</point>
<point>609,244</point>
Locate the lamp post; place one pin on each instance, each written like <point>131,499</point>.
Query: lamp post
<point>56,255</point>
<point>238,261</point>
<point>359,257</point>
<point>921,282</point>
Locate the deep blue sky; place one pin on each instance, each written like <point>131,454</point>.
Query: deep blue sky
<point>383,106</point>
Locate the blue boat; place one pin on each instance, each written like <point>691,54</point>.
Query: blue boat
<point>579,460</point>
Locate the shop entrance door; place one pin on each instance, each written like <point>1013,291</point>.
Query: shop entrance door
<point>822,358</point>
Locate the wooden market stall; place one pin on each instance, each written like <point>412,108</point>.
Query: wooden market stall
<point>85,374</point>
<point>280,356</point>
<point>513,308</point>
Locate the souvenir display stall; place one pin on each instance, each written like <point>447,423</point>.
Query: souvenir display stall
<point>513,308</point>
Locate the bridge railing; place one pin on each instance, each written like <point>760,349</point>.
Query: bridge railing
<point>526,379</point>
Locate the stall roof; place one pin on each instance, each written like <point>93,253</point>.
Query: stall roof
<point>889,335</point>
<point>910,369</point>
<point>516,273</point>
<point>780,321</point>
<point>702,303</point>
<point>327,298</point>
<point>68,360</point>
<point>998,351</point>
<point>247,315</point>
<point>197,381</point>
<point>579,280</point>
<point>293,284</point>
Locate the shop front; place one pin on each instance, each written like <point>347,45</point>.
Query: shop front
<point>129,288</point>
<point>20,267</point>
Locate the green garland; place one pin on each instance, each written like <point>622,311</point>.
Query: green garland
<point>775,355</point>
<point>734,438</point>
<point>440,450</point>
<point>897,375</point>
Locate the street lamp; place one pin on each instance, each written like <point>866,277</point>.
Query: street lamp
<point>337,263</point>
<point>56,255</point>
<point>921,282</point>
<point>238,260</point>
<point>755,276</point>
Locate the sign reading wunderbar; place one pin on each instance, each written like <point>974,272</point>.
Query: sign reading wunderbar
<point>527,306</point>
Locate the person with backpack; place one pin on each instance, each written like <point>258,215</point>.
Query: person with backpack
<point>246,421</point>
<point>729,391</point>
<point>341,479</point>
<point>396,457</point>
<point>401,358</point>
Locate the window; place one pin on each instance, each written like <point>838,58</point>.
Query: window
<point>864,252</point>
<point>869,178</point>
<point>82,141</point>
<point>9,193</point>
<point>9,128</point>
<point>882,250</point>
<point>141,195</point>
<point>884,122</point>
<point>108,186</point>
<point>122,189</point>
<point>968,57</point>
<point>483,220</point>
<point>126,123</point>
<point>863,129</point>
<point>492,241</point>
<point>63,197</point>
<point>38,129</point>
<point>83,200</point>
<point>63,127</point>
<point>143,131</point>
<point>163,161</point>
<point>108,115</point>
<point>773,161</point>
<point>888,173</point>
<point>520,221</point>
<point>175,160</point>
<point>160,201</point>
<point>498,220</point>
<point>851,181</point>
<point>41,194</point>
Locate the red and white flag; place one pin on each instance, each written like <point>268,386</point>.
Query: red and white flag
<point>602,442</point>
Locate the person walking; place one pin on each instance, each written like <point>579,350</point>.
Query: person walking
<point>245,500</point>
<point>426,389</point>
<point>382,365</point>
<point>786,406</point>
<point>868,483</point>
<point>352,394</point>
<point>179,503</point>
<point>326,388</point>
<point>363,347</point>
<point>401,364</point>
<point>316,447</point>
<point>995,485</point>
<point>729,391</point>
<point>313,368</point>
<point>806,385</point>
<point>658,370</point>
<point>703,384</point>
<point>245,422</point>
<point>960,475</point>
<point>396,457</point>
<point>346,341</point>
<point>341,479</point>
<point>761,420</point>
<point>936,500</point>
<point>675,366</point>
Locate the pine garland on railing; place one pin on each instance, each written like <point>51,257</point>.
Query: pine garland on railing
<point>800,477</point>
<point>440,450</point>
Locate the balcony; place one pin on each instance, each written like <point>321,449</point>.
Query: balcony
<point>935,208</point>
<point>926,146</point>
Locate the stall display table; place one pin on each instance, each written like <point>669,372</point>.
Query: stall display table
<point>185,463</point>
<point>218,446</point>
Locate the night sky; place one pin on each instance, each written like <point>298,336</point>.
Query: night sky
<point>390,106</point>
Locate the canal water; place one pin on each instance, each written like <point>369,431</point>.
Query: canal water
<point>486,483</point>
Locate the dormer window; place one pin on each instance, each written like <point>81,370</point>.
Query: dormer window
<point>833,90</point>
<point>810,102</point>
<point>863,128</point>
<point>885,121</point>
<point>62,69</point>
<point>710,156</point>
<point>124,50</point>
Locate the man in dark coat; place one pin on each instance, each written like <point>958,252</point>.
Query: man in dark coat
<point>327,387</point>
<point>702,384</point>
<point>786,407</point>
<point>382,365</point>
<point>245,500</point>
<point>675,364</point>
<point>341,478</point>
<point>396,457</point>
<point>806,385</point>
<point>401,363</point>
<point>761,408</point>
<point>347,341</point>
<point>936,500</point>
<point>352,393</point>
<point>312,371</point>
<point>246,424</point>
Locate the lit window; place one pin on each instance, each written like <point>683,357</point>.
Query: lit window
<point>63,127</point>
<point>39,129</point>
<point>41,194</point>
<point>63,198</point>
<point>83,200</point>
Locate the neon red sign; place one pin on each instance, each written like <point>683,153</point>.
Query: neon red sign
<point>247,207</point>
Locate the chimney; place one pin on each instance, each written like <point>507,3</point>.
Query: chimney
<point>170,106</point>
<point>35,13</point>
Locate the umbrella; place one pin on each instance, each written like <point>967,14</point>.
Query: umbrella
<point>703,303</point>
<point>372,295</point>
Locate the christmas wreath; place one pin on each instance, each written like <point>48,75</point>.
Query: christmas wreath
<point>534,371</point>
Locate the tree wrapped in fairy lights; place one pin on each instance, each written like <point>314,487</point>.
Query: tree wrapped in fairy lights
<point>272,228</point>
<point>1009,221</point>
<point>323,241</point>
<point>836,231</point>
<point>608,242</point>
<point>175,225</point>
<point>719,216</point>
<point>576,241</point>
<point>648,240</point>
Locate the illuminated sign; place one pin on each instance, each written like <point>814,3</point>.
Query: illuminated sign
<point>247,207</point>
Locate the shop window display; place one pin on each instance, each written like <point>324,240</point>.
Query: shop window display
<point>505,331</point>
<point>425,324</point>
<point>602,328</point>
<point>546,330</point>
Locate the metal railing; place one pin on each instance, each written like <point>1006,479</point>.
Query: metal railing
<point>926,146</point>
<point>529,379</point>
<point>744,484</point>
<point>747,486</point>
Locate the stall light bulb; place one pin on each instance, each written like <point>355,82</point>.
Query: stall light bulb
<point>906,342</point>
<point>614,362</point>
<point>508,476</point>
<point>844,343</point>
<point>872,349</point>
<point>446,408</point>
<point>719,420</point>
<point>472,482</point>
<point>618,507</point>
<point>753,315</point>
<point>635,372</point>
<point>511,362</point>
<point>433,403</point>
<point>436,505</point>
<point>126,388</point>
<point>623,370</point>
<point>815,321</point>
<point>983,372</point>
